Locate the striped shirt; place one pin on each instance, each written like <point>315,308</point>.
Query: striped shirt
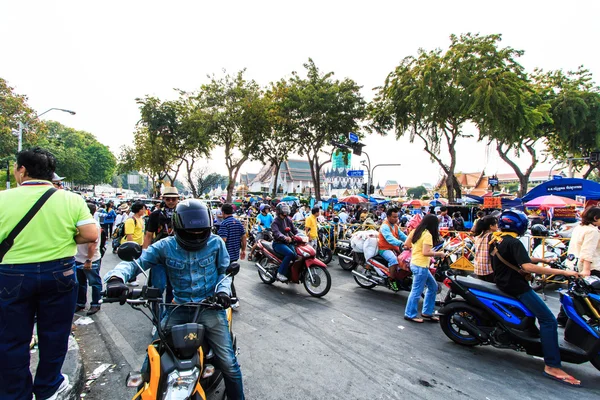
<point>232,231</point>
<point>483,262</point>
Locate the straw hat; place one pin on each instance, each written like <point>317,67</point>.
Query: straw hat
<point>170,191</point>
<point>124,207</point>
<point>56,178</point>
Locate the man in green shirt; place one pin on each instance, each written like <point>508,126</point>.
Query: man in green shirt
<point>37,277</point>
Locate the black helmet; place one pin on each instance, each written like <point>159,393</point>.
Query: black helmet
<point>539,230</point>
<point>192,222</point>
<point>283,209</point>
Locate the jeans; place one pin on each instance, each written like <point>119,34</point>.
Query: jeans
<point>91,276</point>
<point>218,337</point>
<point>48,289</point>
<point>390,257</point>
<point>289,254</point>
<point>548,327</point>
<point>421,278</point>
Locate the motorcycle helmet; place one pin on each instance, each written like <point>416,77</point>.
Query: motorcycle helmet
<point>283,209</point>
<point>539,230</point>
<point>264,206</point>
<point>513,221</point>
<point>192,223</point>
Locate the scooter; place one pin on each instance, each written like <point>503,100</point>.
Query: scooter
<point>306,269</point>
<point>484,315</point>
<point>180,362</point>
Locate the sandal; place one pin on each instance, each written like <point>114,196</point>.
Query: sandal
<point>567,380</point>
<point>417,320</point>
<point>431,318</point>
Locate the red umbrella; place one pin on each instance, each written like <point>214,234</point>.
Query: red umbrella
<point>354,199</point>
<point>414,203</point>
<point>552,201</point>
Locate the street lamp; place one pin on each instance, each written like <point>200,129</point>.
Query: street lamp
<point>22,125</point>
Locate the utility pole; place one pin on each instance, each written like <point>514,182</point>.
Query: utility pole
<point>7,173</point>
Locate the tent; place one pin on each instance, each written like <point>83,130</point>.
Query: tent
<point>567,187</point>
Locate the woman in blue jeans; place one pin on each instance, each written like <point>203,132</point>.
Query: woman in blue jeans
<point>422,240</point>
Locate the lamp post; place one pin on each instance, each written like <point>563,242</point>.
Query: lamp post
<point>22,125</point>
<point>383,165</point>
<point>7,173</point>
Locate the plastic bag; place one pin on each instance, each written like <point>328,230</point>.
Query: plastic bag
<point>358,239</point>
<point>370,247</point>
<point>404,260</point>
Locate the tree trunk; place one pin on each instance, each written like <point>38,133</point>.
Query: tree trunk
<point>589,171</point>
<point>189,166</point>
<point>523,176</point>
<point>276,178</point>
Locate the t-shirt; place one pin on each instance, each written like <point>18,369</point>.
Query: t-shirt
<point>50,234</point>
<point>232,230</point>
<point>265,221</point>
<point>507,279</point>
<point>82,249</point>
<point>298,216</point>
<point>417,257</point>
<point>134,227</point>
<point>311,222</point>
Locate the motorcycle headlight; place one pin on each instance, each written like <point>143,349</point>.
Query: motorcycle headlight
<point>181,384</point>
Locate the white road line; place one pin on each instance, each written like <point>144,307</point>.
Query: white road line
<point>131,356</point>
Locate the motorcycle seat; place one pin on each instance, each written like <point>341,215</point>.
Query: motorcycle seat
<point>269,247</point>
<point>380,260</point>
<point>474,283</point>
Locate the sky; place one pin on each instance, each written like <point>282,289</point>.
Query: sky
<point>96,57</point>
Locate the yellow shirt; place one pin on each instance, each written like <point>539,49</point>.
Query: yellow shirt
<point>417,258</point>
<point>311,222</point>
<point>136,229</point>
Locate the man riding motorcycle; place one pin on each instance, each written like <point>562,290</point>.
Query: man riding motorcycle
<point>390,242</point>
<point>281,227</point>
<point>195,261</point>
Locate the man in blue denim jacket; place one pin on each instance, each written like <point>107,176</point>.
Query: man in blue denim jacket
<point>195,260</point>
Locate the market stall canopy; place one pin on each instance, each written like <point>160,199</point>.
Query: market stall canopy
<point>552,201</point>
<point>566,187</point>
<point>414,203</point>
<point>438,202</point>
<point>289,198</point>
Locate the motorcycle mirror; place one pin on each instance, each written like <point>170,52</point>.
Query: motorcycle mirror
<point>233,269</point>
<point>129,251</point>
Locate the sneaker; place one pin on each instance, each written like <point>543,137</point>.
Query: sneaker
<point>93,310</point>
<point>281,277</point>
<point>394,286</point>
<point>235,306</point>
<point>64,386</point>
<point>134,283</point>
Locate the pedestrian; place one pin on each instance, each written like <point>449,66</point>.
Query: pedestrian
<point>479,216</point>
<point>160,226</point>
<point>445,222</point>
<point>134,227</point>
<point>87,261</point>
<point>311,228</point>
<point>458,222</point>
<point>109,219</point>
<point>483,232</point>
<point>343,216</point>
<point>37,276</point>
<point>57,181</point>
<point>422,240</point>
<point>234,235</point>
<point>298,216</point>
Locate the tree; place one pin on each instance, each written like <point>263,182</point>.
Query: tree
<point>13,108</point>
<point>205,181</point>
<point>417,192</point>
<point>316,110</point>
<point>102,164</point>
<point>432,97</point>
<point>574,102</point>
<point>234,114</point>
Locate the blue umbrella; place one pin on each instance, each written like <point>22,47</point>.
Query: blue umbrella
<point>289,198</point>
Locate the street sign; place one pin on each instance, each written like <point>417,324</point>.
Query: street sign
<point>353,137</point>
<point>356,173</point>
<point>557,177</point>
<point>436,195</point>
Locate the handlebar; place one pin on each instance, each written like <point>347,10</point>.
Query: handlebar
<point>150,294</point>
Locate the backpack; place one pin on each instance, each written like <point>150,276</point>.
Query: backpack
<point>119,233</point>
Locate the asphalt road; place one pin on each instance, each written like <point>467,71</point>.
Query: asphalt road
<point>351,344</point>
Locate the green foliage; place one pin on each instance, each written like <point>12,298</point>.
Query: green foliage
<point>315,110</point>
<point>206,181</point>
<point>13,108</point>
<point>233,113</point>
<point>417,192</point>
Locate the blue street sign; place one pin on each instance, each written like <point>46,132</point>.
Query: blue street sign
<point>353,137</point>
<point>436,195</point>
<point>557,177</point>
<point>356,173</point>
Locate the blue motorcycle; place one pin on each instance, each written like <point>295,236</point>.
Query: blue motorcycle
<point>485,315</point>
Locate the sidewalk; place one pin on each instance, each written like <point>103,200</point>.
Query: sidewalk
<point>72,367</point>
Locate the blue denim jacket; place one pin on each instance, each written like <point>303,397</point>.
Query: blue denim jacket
<point>194,275</point>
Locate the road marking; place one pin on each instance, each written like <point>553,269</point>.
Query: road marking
<point>133,359</point>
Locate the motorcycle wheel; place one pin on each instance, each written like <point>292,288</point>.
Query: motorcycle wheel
<point>346,265</point>
<point>361,282</point>
<point>453,331</point>
<point>325,254</point>
<point>321,283</point>
<point>264,262</point>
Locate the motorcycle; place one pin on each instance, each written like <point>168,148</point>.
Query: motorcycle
<point>324,253</point>
<point>484,315</point>
<point>306,269</point>
<point>345,254</point>
<point>180,362</point>
<point>375,272</point>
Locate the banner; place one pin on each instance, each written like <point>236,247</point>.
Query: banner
<point>492,202</point>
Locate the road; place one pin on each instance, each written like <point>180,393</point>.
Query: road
<point>351,344</point>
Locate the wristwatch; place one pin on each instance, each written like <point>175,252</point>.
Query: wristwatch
<point>87,261</point>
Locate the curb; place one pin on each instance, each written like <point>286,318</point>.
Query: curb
<point>72,367</point>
